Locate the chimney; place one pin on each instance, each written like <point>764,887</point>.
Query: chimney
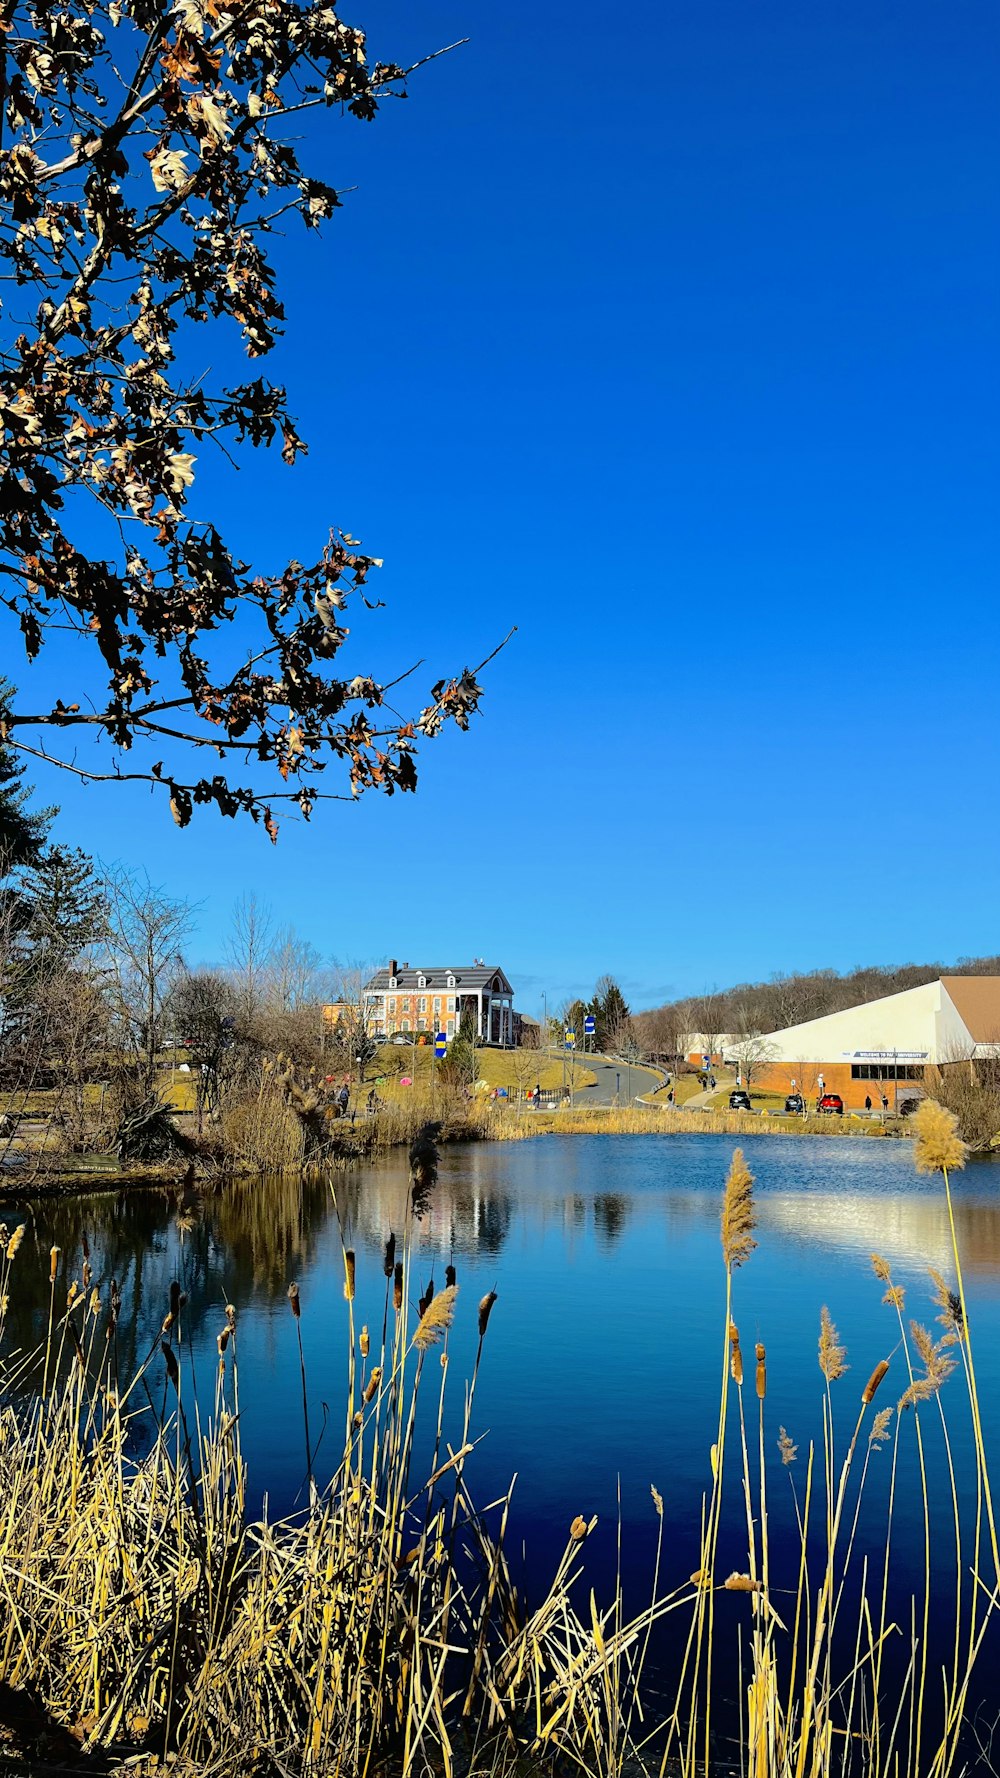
<point>392,967</point>
<point>406,966</point>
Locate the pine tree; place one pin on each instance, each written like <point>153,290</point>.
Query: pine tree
<point>22,831</point>
<point>66,905</point>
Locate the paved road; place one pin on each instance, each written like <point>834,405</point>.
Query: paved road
<point>612,1079</point>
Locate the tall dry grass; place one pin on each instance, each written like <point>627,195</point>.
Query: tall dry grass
<point>379,1630</point>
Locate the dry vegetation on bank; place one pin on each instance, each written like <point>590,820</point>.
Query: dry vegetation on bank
<point>380,1630</point>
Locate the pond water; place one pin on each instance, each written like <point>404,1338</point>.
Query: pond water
<point>602,1362</point>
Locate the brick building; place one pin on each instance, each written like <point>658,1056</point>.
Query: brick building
<point>401,999</point>
<point>897,1045</point>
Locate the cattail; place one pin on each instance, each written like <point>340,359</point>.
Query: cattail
<point>95,1300</point>
<point>365,1342</point>
<point>938,1146</point>
<point>397,1286</point>
<point>293,1297</point>
<point>389,1258</point>
<point>72,1294</point>
<point>741,1583</point>
<point>87,1274</point>
<point>15,1241</point>
<point>231,1316</point>
<point>738,1218</point>
<point>761,1372</point>
<point>425,1301</point>
<point>349,1274</point>
<point>485,1309</point>
<point>54,1253</point>
<point>172,1371</point>
<point>701,1578</point>
<point>373,1383</point>
<point>831,1353</point>
<point>874,1380</point>
<point>449,1277</point>
<point>435,1319</point>
<point>579,1528</point>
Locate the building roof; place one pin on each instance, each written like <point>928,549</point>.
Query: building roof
<point>976,999</point>
<point>469,977</point>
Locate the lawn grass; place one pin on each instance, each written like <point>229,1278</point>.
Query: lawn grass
<point>498,1068</point>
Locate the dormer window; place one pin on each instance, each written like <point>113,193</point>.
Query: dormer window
<point>451,979</point>
<point>421,980</point>
<point>393,982</point>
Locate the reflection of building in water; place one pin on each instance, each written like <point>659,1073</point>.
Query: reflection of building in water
<point>908,1229</point>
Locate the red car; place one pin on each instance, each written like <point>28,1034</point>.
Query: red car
<point>832,1103</point>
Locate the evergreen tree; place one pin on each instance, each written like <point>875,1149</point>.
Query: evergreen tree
<point>612,1016</point>
<point>22,831</point>
<point>66,906</point>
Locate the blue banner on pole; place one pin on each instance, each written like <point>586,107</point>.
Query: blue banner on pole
<point>590,1025</point>
<point>441,1045</point>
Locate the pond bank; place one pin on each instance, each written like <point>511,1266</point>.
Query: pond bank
<point>63,1176</point>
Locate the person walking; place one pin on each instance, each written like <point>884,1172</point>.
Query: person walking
<point>868,1101</point>
<point>343,1098</point>
<point>885,1104</point>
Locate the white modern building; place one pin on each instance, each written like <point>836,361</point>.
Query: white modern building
<point>894,1045</point>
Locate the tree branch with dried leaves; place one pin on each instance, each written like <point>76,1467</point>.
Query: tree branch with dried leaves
<point>142,165</point>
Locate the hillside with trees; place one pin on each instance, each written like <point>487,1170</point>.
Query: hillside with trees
<point>783,1000</point>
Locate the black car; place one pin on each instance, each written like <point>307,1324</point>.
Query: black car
<point>795,1104</point>
<point>739,1101</point>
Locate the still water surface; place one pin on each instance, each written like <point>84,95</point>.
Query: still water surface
<point>603,1356</point>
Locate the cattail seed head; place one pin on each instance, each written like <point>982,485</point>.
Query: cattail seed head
<point>349,1274</point>
<point>397,1286</point>
<point>15,1241</point>
<point>373,1383</point>
<point>578,1529</point>
<point>365,1341</point>
<point>389,1258</point>
<point>485,1310</point>
<point>231,1316</point>
<point>449,1277</point>
<point>874,1380</point>
<point>761,1372</point>
<point>222,1340</point>
<point>87,1274</point>
<point>741,1583</point>
<point>175,1298</point>
<point>293,1297</point>
<point>54,1253</point>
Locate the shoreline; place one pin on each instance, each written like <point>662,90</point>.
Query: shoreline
<point>361,1144</point>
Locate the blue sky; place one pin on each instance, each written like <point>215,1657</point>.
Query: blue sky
<point>668,334</point>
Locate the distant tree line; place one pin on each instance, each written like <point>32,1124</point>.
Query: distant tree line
<point>753,1008</point>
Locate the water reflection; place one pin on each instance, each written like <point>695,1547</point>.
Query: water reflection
<point>606,1258</point>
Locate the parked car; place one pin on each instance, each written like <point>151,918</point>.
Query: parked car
<point>795,1104</point>
<point>831,1103</point>
<point>739,1101</point>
